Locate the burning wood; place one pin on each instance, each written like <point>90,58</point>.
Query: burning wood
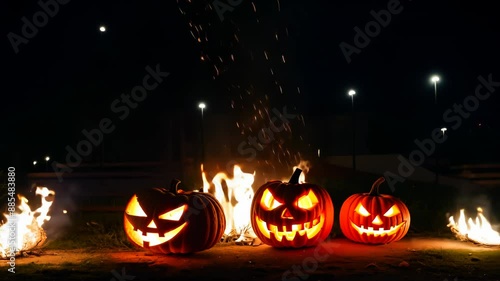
<point>479,232</point>
<point>28,231</point>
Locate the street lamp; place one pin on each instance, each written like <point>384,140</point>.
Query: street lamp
<point>34,163</point>
<point>202,106</point>
<point>352,93</point>
<point>435,79</point>
<point>444,130</point>
<point>102,28</point>
<point>47,158</point>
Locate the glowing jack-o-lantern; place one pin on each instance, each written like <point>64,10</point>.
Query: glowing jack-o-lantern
<point>291,214</point>
<point>374,218</point>
<point>172,221</point>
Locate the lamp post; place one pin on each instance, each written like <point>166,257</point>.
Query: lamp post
<point>352,93</point>
<point>47,158</point>
<point>435,118</point>
<point>202,106</point>
<point>444,130</point>
<point>435,79</point>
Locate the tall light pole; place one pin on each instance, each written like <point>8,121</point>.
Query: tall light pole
<point>435,118</point>
<point>352,93</point>
<point>435,79</point>
<point>47,158</point>
<point>444,130</point>
<point>202,106</point>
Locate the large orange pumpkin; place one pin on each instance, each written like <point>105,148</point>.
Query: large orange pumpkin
<point>172,221</point>
<point>291,214</point>
<point>374,218</point>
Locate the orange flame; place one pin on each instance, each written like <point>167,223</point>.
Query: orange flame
<point>240,191</point>
<point>237,201</point>
<point>26,226</point>
<point>479,231</point>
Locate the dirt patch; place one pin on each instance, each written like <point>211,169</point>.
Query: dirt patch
<point>338,259</point>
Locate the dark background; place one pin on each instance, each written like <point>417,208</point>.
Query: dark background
<point>66,77</point>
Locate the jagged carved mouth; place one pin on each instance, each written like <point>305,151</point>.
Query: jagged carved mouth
<point>310,229</point>
<point>151,239</point>
<point>380,232</point>
<point>155,239</point>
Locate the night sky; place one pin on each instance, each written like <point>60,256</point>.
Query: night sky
<point>65,78</point>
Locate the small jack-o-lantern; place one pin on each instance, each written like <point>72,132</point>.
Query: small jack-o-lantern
<point>172,221</point>
<point>374,218</point>
<point>291,214</point>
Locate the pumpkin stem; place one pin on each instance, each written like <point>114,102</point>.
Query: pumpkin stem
<point>174,184</point>
<point>295,177</point>
<point>375,186</point>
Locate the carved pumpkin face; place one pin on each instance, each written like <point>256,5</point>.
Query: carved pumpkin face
<point>291,214</point>
<point>171,222</point>
<point>374,218</point>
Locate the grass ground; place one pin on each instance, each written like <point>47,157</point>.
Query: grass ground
<point>94,247</point>
<point>409,259</point>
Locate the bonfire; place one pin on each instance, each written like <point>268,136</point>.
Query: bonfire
<point>479,231</point>
<point>235,202</point>
<point>235,195</point>
<point>22,231</point>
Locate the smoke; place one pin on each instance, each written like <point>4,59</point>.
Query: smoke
<point>61,212</point>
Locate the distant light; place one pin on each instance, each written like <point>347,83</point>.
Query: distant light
<point>435,79</point>
<point>319,152</point>
<point>34,163</point>
<point>202,105</point>
<point>47,158</point>
<point>65,212</point>
<point>352,93</point>
<point>444,130</point>
<point>102,28</point>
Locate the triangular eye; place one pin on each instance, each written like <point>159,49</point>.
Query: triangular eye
<point>394,210</point>
<point>134,209</point>
<point>173,215</point>
<point>307,201</point>
<point>361,210</point>
<point>268,202</point>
